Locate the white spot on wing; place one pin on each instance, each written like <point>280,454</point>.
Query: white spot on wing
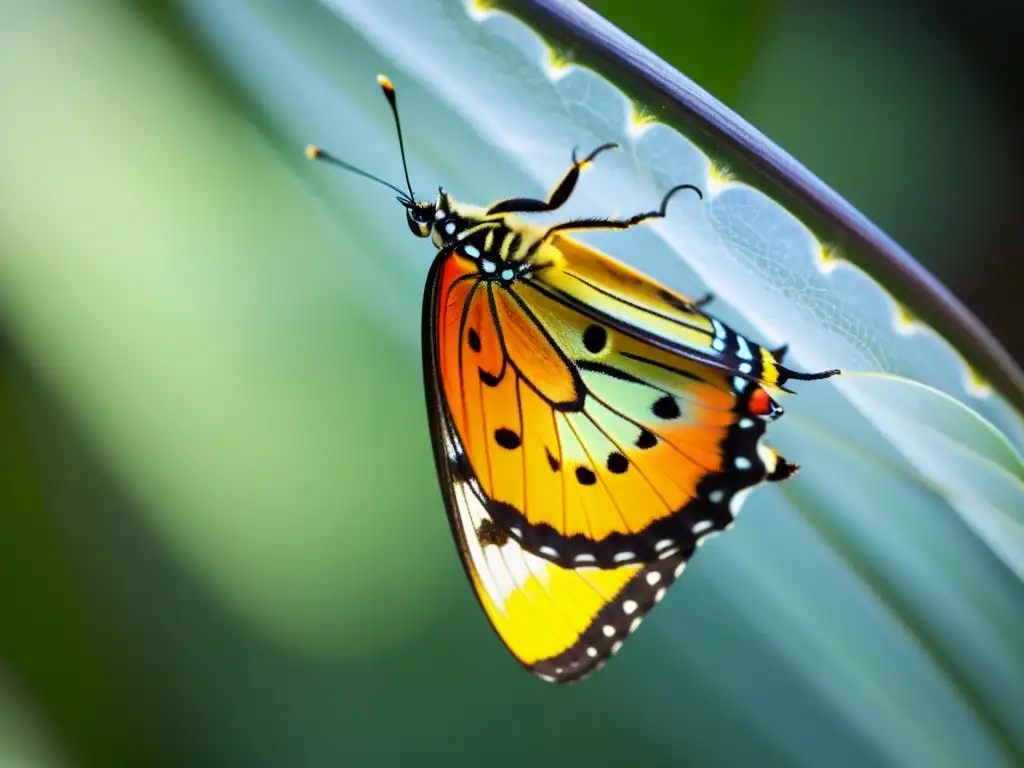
<point>743,349</point>
<point>450,449</point>
<point>736,502</point>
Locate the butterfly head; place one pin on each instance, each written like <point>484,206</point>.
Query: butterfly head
<point>419,215</point>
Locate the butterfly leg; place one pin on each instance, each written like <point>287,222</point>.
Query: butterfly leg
<point>560,194</point>
<point>703,301</point>
<point>632,221</point>
<point>785,374</point>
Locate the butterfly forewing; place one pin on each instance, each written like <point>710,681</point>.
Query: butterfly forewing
<point>588,443</point>
<point>580,467</point>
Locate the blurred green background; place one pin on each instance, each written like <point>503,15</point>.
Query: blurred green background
<point>221,540</point>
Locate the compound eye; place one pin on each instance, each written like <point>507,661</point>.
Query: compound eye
<point>416,225</point>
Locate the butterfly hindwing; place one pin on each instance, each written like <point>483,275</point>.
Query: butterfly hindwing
<point>560,623</point>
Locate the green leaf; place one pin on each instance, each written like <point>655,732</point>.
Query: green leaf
<point>234,333</point>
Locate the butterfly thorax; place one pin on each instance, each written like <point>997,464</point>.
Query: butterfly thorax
<point>504,248</point>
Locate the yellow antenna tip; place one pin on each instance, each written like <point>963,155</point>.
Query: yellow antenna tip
<point>312,151</point>
<point>384,83</point>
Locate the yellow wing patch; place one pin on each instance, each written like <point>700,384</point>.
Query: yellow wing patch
<point>560,623</point>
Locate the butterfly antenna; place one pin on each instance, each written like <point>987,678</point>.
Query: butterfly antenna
<point>389,93</point>
<point>314,152</point>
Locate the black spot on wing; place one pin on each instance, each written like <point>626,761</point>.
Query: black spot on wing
<point>585,476</point>
<point>617,463</point>
<point>554,463</point>
<point>595,338</point>
<point>646,439</point>
<point>490,532</point>
<point>666,408</point>
<point>506,438</point>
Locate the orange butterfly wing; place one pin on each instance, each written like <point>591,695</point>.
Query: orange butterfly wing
<point>561,623</point>
<point>587,442</point>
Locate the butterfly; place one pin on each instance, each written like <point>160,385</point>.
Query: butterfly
<point>591,427</point>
